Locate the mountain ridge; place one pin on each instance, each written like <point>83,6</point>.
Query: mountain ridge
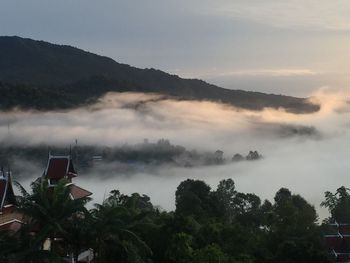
<point>76,77</point>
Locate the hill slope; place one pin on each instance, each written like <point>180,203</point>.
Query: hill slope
<point>38,74</point>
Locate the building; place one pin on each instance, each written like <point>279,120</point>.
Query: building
<point>58,168</point>
<point>61,167</point>
<point>10,218</point>
<point>338,242</point>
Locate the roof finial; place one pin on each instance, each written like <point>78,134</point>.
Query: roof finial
<point>48,152</point>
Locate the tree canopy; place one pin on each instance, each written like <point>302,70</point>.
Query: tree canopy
<point>210,226</point>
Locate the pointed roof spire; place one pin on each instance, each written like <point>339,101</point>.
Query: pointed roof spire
<point>6,191</point>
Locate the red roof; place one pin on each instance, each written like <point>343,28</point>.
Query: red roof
<point>333,241</point>
<point>344,229</point>
<point>58,167</point>
<point>78,192</point>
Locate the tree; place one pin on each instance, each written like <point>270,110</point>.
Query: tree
<point>293,230</point>
<point>192,197</point>
<point>210,254</point>
<point>224,199</point>
<point>113,230</point>
<point>49,212</point>
<point>180,250</point>
<point>338,204</point>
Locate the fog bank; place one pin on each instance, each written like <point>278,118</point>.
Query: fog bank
<point>306,153</point>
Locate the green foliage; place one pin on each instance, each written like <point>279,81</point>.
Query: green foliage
<point>192,197</point>
<point>210,254</point>
<point>49,213</point>
<point>180,250</point>
<point>113,226</point>
<point>338,204</point>
<point>216,226</point>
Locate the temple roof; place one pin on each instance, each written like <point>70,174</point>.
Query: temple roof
<point>78,192</point>
<point>7,196</point>
<point>59,167</point>
<point>338,241</point>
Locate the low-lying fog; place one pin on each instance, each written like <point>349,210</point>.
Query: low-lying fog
<point>305,153</point>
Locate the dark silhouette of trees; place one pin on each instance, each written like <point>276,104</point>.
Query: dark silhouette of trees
<point>338,204</point>
<point>221,225</point>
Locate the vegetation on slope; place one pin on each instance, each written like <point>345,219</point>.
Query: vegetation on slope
<point>57,76</point>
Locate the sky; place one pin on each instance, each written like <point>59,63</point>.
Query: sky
<point>289,47</point>
<point>293,47</point>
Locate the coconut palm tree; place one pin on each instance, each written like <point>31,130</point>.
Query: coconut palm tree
<point>49,212</point>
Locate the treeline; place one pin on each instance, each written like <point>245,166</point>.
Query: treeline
<point>207,226</point>
<point>132,157</point>
<point>26,96</point>
<point>51,97</point>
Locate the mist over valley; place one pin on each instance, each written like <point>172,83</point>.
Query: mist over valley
<point>298,149</point>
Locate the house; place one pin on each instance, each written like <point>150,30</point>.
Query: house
<point>61,167</point>
<point>10,218</point>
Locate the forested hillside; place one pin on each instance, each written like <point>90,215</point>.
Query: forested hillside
<point>41,75</point>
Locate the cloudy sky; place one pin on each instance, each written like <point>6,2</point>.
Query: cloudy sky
<point>290,46</point>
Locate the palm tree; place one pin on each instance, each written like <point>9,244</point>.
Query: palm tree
<point>49,212</point>
<point>114,231</point>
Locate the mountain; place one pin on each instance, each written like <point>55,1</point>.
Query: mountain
<point>41,75</point>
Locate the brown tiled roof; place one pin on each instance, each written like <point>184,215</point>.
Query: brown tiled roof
<point>78,192</point>
<point>59,167</point>
<point>8,217</point>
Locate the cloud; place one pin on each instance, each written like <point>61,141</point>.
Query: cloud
<point>307,14</point>
<point>130,117</point>
<point>306,153</point>
<point>270,72</point>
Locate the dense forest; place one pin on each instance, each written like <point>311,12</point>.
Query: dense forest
<point>219,225</point>
<point>45,76</point>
